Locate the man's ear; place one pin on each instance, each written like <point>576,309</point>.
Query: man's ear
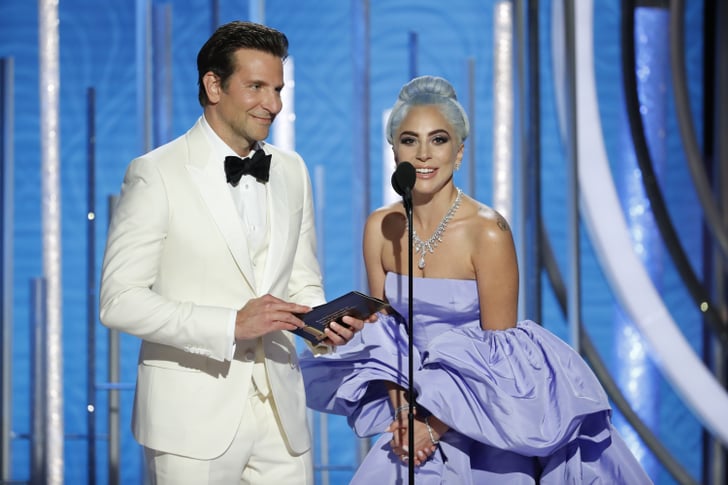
<point>213,88</point>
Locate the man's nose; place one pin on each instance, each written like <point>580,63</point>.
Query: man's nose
<point>272,102</point>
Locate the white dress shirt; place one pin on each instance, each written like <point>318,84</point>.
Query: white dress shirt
<point>251,201</point>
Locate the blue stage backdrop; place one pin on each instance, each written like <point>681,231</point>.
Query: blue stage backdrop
<point>99,49</point>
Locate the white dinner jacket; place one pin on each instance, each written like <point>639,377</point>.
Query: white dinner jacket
<point>176,269</point>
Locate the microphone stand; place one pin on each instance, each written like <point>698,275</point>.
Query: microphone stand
<point>403,179</point>
<point>410,315</point>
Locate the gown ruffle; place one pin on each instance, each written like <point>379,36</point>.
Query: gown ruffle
<point>522,406</point>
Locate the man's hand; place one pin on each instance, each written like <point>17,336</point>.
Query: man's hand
<point>267,314</point>
<point>338,334</point>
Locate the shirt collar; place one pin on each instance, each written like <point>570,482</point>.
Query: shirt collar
<point>221,148</point>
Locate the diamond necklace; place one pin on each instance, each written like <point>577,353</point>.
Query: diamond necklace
<point>424,247</point>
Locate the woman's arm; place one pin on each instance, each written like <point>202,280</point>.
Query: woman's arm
<point>496,271</point>
<point>372,247</point>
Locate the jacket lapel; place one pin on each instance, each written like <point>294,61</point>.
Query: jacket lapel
<point>209,177</point>
<point>278,221</point>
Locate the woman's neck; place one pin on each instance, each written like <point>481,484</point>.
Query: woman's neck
<point>428,210</point>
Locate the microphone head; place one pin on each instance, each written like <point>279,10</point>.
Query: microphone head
<point>403,178</point>
<point>395,185</point>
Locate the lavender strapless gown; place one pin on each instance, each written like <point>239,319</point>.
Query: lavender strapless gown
<point>522,406</point>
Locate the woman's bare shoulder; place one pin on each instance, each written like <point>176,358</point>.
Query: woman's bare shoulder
<point>387,213</point>
<point>387,209</point>
<point>489,223</point>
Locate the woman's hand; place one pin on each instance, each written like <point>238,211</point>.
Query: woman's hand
<point>340,333</point>
<point>425,438</point>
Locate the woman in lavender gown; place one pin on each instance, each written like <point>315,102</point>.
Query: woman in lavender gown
<point>497,401</point>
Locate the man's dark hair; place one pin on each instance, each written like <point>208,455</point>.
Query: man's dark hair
<point>217,55</point>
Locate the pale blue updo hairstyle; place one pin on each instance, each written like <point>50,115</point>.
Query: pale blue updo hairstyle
<point>429,90</point>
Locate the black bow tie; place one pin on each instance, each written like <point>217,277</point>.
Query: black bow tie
<point>258,166</point>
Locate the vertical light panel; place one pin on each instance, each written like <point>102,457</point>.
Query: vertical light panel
<point>51,225</point>
<point>388,194</point>
<point>472,139</point>
<point>635,372</point>
<point>284,127</point>
<point>6,260</point>
<point>573,189</point>
<point>503,109</point>
<point>143,41</point>
<point>361,102</point>
<point>361,168</point>
<point>256,11</point>
<point>161,75</point>
<point>319,422</point>
<point>412,41</point>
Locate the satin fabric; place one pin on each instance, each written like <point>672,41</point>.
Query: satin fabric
<point>522,405</point>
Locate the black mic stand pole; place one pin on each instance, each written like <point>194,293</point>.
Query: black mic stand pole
<point>403,179</point>
<point>410,335</point>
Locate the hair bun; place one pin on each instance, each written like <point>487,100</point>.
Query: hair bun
<point>427,85</point>
<point>429,91</point>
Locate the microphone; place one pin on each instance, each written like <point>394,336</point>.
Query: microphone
<point>403,179</point>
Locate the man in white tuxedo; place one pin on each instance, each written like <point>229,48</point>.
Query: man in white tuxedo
<point>208,258</point>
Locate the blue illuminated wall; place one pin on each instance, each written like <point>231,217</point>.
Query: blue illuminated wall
<point>98,50</point>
